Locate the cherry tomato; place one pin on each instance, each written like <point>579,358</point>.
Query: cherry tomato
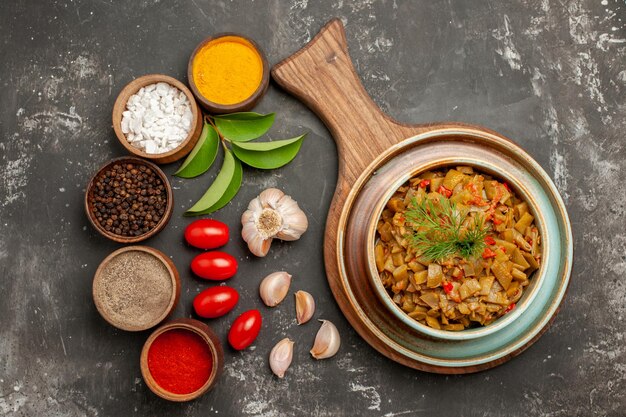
<point>245,329</point>
<point>215,301</point>
<point>206,234</point>
<point>214,265</point>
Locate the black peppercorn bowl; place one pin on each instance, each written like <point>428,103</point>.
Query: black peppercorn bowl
<point>115,213</point>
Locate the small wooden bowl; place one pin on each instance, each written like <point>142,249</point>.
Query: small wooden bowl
<point>175,280</point>
<point>247,104</point>
<point>130,239</point>
<point>120,106</point>
<point>209,337</point>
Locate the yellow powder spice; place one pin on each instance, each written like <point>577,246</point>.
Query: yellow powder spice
<point>227,70</point>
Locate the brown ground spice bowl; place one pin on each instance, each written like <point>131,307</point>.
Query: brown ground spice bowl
<point>217,356</point>
<point>118,212</point>
<point>136,287</point>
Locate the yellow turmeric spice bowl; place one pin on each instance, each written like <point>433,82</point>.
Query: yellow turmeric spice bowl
<point>228,73</point>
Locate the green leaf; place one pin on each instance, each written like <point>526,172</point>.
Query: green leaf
<point>229,194</point>
<point>202,156</point>
<point>219,188</point>
<point>242,127</point>
<point>268,155</point>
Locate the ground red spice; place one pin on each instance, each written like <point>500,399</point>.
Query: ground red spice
<point>180,361</point>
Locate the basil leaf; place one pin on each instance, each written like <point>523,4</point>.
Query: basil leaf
<point>219,187</point>
<point>230,193</point>
<point>268,155</point>
<point>202,155</point>
<point>245,126</point>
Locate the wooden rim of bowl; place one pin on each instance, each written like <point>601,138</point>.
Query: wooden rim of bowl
<point>247,104</point>
<point>472,333</point>
<point>169,208</point>
<point>211,339</point>
<point>173,273</point>
<point>196,122</point>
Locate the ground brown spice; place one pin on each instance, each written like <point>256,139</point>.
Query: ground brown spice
<point>134,290</point>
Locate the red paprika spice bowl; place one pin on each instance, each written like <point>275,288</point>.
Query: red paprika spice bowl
<point>182,360</point>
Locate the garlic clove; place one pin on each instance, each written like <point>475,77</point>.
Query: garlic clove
<point>292,231</point>
<point>248,231</point>
<point>274,288</point>
<point>247,217</point>
<point>257,245</point>
<point>270,197</point>
<point>288,206</point>
<point>255,205</point>
<point>281,357</point>
<point>295,222</point>
<point>305,306</point>
<point>327,341</point>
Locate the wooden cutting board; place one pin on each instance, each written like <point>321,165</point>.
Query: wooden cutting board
<point>322,76</point>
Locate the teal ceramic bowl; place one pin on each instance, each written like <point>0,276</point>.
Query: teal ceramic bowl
<point>396,334</point>
<point>481,165</point>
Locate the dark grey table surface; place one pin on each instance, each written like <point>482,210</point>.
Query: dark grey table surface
<point>549,74</point>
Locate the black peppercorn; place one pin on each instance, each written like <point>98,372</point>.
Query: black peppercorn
<point>128,199</point>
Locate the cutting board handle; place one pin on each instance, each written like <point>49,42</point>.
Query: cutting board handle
<point>321,74</point>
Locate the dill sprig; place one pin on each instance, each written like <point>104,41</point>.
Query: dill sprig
<point>437,230</point>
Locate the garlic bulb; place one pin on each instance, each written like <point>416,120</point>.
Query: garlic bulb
<point>305,306</point>
<point>271,215</point>
<point>281,356</point>
<point>274,288</point>
<point>327,341</point>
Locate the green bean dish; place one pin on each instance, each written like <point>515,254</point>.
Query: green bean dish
<point>456,248</point>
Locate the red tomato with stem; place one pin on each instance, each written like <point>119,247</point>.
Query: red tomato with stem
<point>215,301</point>
<point>245,329</point>
<point>206,234</point>
<point>215,265</point>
